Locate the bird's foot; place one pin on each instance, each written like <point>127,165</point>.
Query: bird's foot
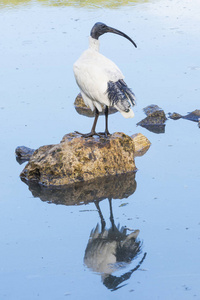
<point>90,134</point>
<point>105,133</point>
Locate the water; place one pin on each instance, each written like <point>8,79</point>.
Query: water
<point>42,244</point>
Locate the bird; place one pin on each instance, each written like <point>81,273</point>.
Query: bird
<point>112,249</point>
<point>101,82</point>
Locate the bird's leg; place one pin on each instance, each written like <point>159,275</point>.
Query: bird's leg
<point>103,223</point>
<point>92,132</point>
<point>106,117</point>
<point>95,121</point>
<point>106,133</point>
<point>111,213</point>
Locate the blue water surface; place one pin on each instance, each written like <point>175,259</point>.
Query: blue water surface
<point>43,244</point>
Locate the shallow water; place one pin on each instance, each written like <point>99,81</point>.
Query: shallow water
<point>43,244</point>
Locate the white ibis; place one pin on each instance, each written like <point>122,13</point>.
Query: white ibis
<point>110,250</point>
<point>100,80</point>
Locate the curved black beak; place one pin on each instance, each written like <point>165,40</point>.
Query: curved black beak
<point>116,31</point>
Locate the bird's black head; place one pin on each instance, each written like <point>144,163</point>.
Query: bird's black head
<point>100,28</point>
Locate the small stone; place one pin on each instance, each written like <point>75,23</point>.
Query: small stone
<point>23,152</point>
<point>174,116</point>
<point>155,120</point>
<point>192,116</point>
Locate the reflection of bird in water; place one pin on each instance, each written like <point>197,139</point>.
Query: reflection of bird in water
<point>112,249</point>
<point>101,81</point>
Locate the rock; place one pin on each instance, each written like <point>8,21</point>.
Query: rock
<point>141,144</point>
<point>23,154</point>
<point>155,120</point>
<point>82,109</point>
<point>174,116</point>
<point>78,159</point>
<point>192,116</point>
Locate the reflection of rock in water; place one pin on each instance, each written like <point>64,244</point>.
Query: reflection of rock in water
<point>112,249</point>
<point>116,187</point>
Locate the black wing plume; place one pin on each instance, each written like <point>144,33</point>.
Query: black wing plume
<point>119,92</point>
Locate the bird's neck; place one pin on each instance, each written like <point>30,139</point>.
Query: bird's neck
<point>93,44</point>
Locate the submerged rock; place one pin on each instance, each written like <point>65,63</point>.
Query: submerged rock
<point>192,116</point>
<point>155,120</point>
<point>78,159</point>
<point>82,109</point>
<point>174,116</point>
<point>23,154</point>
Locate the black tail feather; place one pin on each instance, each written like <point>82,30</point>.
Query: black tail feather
<point>119,92</point>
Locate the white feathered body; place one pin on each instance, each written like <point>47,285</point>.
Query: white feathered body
<point>102,248</point>
<point>92,72</point>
